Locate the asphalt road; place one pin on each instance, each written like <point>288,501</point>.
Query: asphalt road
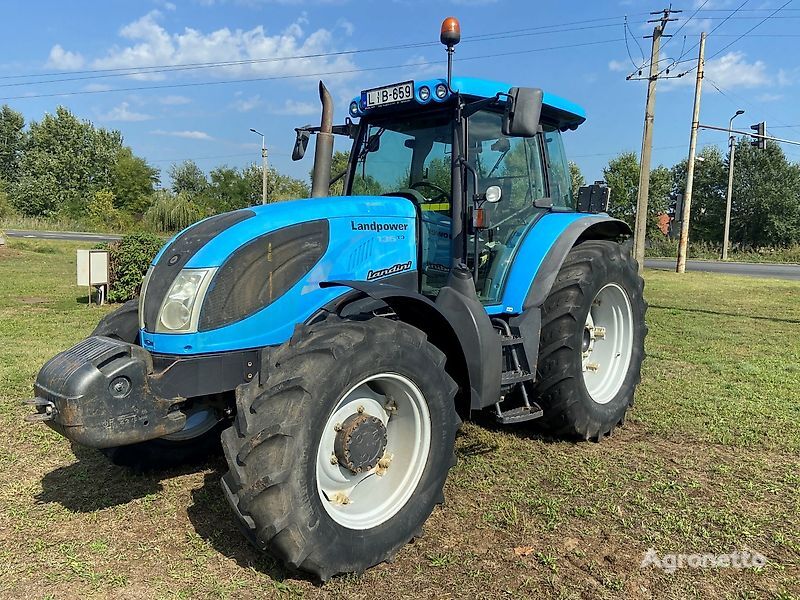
<point>771,270</point>
<point>75,236</point>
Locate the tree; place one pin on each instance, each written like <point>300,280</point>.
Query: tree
<point>576,179</point>
<point>133,182</point>
<point>708,193</point>
<point>12,143</point>
<point>622,176</point>
<point>766,197</point>
<point>229,190</point>
<point>188,177</point>
<point>66,160</point>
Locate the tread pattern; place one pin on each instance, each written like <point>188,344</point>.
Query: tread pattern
<point>268,441</point>
<point>559,384</point>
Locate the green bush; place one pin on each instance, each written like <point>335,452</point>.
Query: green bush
<point>128,262</point>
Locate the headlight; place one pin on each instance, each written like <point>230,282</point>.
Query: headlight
<point>180,309</point>
<point>142,293</point>
<point>441,91</point>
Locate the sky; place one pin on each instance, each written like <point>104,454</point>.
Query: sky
<point>109,62</point>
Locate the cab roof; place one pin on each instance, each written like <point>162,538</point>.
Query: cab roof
<point>563,113</point>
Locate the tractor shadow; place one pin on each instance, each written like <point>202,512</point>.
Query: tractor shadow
<point>93,483</point>
<point>725,314</point>
<point>215,522</point>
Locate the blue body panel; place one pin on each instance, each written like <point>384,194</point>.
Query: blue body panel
<point>528,256</point>
<point>356,247</point>
<point>569,114</point>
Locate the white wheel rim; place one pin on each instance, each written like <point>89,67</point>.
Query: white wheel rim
<point>607,343</point>
<point>365,500</point>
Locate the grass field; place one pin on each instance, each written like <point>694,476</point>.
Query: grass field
<point>709,461</point>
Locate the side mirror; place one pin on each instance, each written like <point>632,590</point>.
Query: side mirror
<point>300,143</point>
<point>374,142</point>
<point>523,109</point>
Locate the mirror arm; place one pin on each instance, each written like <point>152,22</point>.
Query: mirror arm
<point>473,107</point>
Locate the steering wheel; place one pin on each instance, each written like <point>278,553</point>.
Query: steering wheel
<point>442,193</point>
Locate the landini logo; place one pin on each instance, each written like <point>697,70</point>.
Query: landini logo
<point>393,270</point>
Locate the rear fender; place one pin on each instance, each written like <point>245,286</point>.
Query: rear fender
<point>590,227</point>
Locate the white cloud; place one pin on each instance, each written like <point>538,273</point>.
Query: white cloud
<point>618,66</point>
<point>732,70</point>
<point>294,107</point>
<point>148,43</point>
<point>247,104</point>
<point>729,71</point>
<point>122,112</point>
<point>64,59</point>
<point>174,100</point>
<point>186,134</point>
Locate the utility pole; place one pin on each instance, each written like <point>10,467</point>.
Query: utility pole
<point>728,199</point>
<point>263,166</point>
<point>687,196</point>
<point>640,228</point>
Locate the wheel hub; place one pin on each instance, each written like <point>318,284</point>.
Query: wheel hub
<point>360,443</point>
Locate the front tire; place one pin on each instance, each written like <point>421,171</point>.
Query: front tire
<point>592,341</point>
<point>340,452</point>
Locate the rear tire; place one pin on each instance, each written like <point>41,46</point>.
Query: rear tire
<point>592,341</point>
<point>281,449</point>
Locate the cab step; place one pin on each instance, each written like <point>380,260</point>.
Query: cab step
<point>516,376</point>
<point>519,415</point>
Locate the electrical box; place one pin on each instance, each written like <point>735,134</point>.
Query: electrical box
<point>92,267</point>
<point>594,198</point>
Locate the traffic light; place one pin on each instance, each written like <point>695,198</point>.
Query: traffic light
<point>760,129</point>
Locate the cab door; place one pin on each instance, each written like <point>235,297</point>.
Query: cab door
<point>516,165</point>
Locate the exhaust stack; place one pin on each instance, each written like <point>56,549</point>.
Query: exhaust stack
<point>323,152</point>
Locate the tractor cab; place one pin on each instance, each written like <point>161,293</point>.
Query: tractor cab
<point>404,147</point>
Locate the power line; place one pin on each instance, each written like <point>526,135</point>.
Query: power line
<point>247,62</point>
<point>127,71</point>
<point>745,34</point>
<point>304,75</point>
<point>693,15</point>
<point>730,96</point>
<point>753,28</point>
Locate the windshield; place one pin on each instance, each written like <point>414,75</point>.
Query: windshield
<point>410,155</point>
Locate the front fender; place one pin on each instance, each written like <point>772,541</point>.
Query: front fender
<point>459,328</point>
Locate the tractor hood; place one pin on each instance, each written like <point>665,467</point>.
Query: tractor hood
<point>252,274</point>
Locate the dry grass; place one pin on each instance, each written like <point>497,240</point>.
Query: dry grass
<point>708,462</point>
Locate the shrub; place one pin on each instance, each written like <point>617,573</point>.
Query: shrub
<point>128,262</point>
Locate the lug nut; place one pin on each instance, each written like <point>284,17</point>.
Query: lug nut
<point>360,410</point>
<point>334,460</point>
<point>337,427</point>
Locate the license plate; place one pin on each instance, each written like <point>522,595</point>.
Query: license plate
<point>390,94</point>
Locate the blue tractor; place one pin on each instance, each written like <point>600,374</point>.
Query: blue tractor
<point>335,343</point>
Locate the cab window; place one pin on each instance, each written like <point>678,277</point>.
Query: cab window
<point>558,169</point>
